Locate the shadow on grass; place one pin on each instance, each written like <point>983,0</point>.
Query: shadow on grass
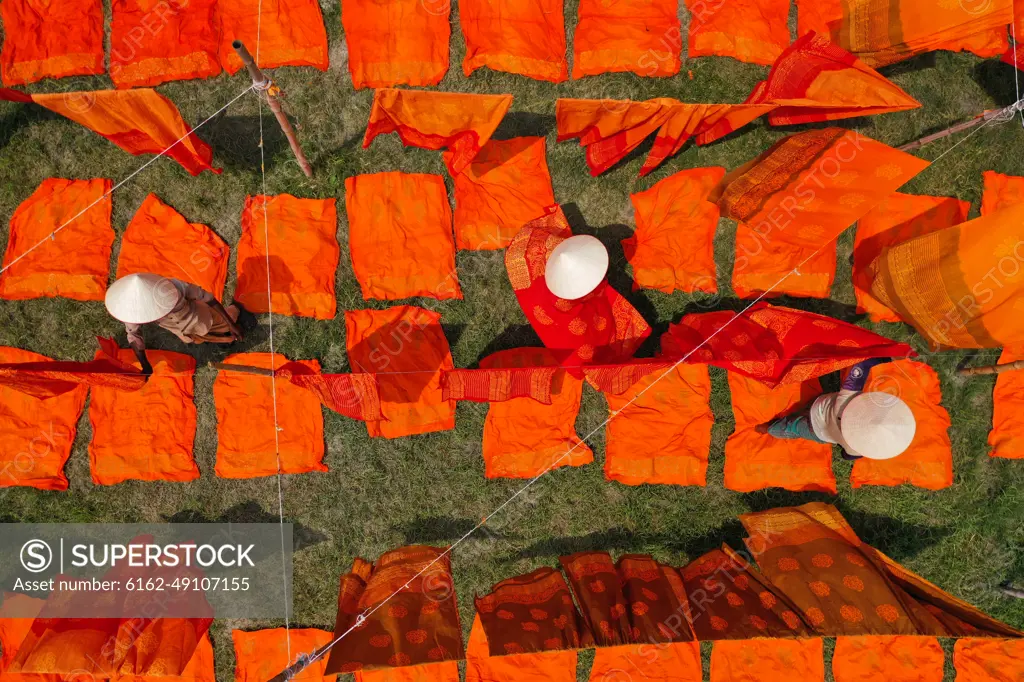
<point>234,138</point>
<point>252,512</point>
<point>997,79</point>
<point>516,336</point>
<point>432,529</point>
<point>524,124</point>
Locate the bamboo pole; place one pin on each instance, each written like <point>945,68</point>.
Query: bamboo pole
<point>992,369</point>
<point>1010,590</point>
<point>300,664</point>
<point>1006,113</point>
<point>264,84</point>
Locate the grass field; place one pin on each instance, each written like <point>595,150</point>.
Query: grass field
<point>430,489</point>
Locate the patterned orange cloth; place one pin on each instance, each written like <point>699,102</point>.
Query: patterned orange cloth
<point>145,435</point>
<point>506,186</point>
<point>767,660</point>
<point>989,660</point>
<point>303,256</point>
<point>400,236</point>
<point>152,42</point>
<point>447,671</point>
<point>262,654</point>
<point>247,445</point>
<point>36,435</point>
<point>291,33</point>
<point>928,462</point>
<point>73,263</point>
<point>399,42</point>
<point>459,122</point>
<point>675,662</point>
<point>641,36</point>
<point>523,437</point>
<point>518,36</point>
<point>49,379</point>
<point>673,245</point>
<point>1000,191</point>
<point>1007,434</point>
<point>547,666</point>
<point>356,396</point>
<point>659,431</point>
<point>898,218</point>
<point>894,658</point>
<point>499,385</point>
<point>754,461</point>
<point>159,240</point>
<point>407,350</point>
<point>755,31</point>
<point>44,39</point>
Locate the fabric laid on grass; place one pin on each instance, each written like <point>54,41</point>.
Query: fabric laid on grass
<point>49,378</point>
<point>262,654</point>
<point>928,462</point>
<point>522,437</point>
<point>459,122</point>
<point>247,445</point>
<point>36,434</point>
<point>160,240</point>
<point>499,385</point>
<point>526,37</point>
<point>303,256</point>
<point>400,42</point>
<point>676,662</point>
<point>447,671</point>
<point>506,186</point>
<point>1000,191</point>
<point>988,660</point>
<point>400,236</point>
<point>820,16</point>
<point>754,461</point>
<point>754,31</point>
<point>406,348</point>
<point>898,218</point>
<point>182,46</point>
<point>145,435</point>
<point>44,39</point>
<point>659,431</point>
<point>641,36</point>
<point>673,245</point>
<point>481,666</point>
<point>355,396</point>
<point>17,611</point>
<point>1007,434</point>
<point>291,33</point>
<point>894,658</point>
<point>766,660</point>
<point>73,263</point>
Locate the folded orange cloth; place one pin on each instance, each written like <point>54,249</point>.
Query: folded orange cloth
<point>519,36</point>
<point>755,31</point>
<point>673,245</point>
<point>506,186</point>
<point>302,256</point>
<point>406,348</point>
<point>400,236</point>
<point>399,42</point>
<point>74,262</point>
<point>893,658</point>
<point>768,660</point>
<point>753,460</point>
<point>145,435</point>
<point>45,39</point>
<point>642,36</point>
<point>153,41</point>
<point>547,666</point>
<point>159,240</point>
<point>989,660</point>
<point>262,654</point>
<point>249,407</point>
<point>1007,434</point>
<point>1000,191</point>
<point>287,33</point>
<point>445,671</point>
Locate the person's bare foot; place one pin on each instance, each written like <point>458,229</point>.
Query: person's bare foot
<point>761,428</point>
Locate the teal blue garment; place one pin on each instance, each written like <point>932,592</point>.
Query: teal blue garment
<point>792,426</point>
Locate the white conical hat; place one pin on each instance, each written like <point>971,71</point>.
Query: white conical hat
<point>142,298</point>
<point>576,267</point>
<point>877,425</point>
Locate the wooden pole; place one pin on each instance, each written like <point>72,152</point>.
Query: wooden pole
<point>301,664</point>
<point>992,369</point>
<point>264,84</point>
<point>1005,112</point>
<point>244,369</point>
<point>1010,590</point>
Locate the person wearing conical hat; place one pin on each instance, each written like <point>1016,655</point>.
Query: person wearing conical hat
<point>188,311</point>
<point>871,424</point>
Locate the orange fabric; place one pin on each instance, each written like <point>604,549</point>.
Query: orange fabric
<point>506,186</point>
<point>461,123</point>
<point>674,662</point>
<point>261,654</point>
<point>548,666</point>
<point>50,379</point>
<point>989,660</point>
<point>990,43</point>
<point>1000,191</point>
<point>145,435</point>
<point>768,660</point>
<point>13,629</point>
<point>153,41</point>
<point>303,254</point>
<point>659,431</point>
<point>928,462</point>
<point>673,245</point>
<point>1007,434</point>
<point>897,219</point>
<point>406,347</point>
<point>399,42</point>
<point>820,16</point>
<point>400,236</point>
<point>642,36</point>
<point>291,33</point>
<point>756,460</point>
<point>522,437</point>
<point>159,240</point>
<point>893,658</point>
<point>73,263</point>
<point>755,31</point>
<point>45,39</point>
<point>518,36</point>
<point>446,671</point>
<point>247,446</point>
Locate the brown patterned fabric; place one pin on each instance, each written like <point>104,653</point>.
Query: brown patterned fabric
<point>595,582</point>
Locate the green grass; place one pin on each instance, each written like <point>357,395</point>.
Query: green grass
<point>430,489</point>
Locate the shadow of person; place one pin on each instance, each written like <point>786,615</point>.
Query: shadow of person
<point>251,512</point>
